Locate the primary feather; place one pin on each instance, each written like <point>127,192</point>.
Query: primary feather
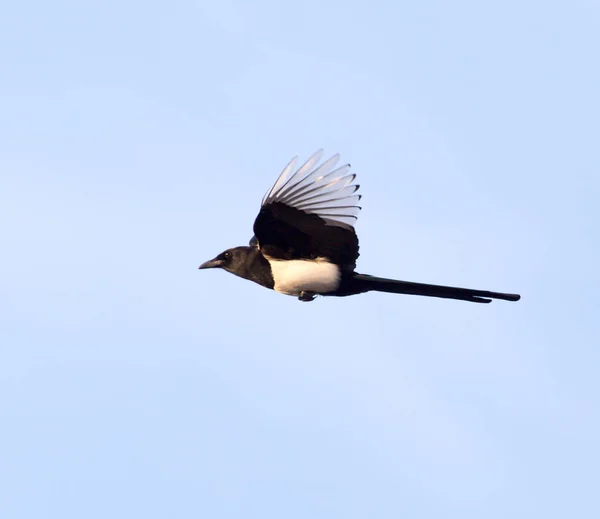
<point>318,189</point>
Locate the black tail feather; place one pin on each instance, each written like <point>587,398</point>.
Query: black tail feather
<point>364,283</point>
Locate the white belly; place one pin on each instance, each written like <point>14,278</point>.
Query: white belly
<point>294,276</point>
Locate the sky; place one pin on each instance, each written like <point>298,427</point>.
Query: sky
<point>137,140</point>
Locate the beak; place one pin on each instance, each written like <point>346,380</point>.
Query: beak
<point>211,264</point>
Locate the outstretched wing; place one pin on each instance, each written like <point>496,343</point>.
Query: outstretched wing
<point>310,212</point>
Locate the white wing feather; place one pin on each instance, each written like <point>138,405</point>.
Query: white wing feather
<point>318,189</point>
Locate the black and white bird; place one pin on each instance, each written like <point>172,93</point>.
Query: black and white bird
<point>305,245</point>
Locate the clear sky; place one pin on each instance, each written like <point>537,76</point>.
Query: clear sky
<point>137,140</point>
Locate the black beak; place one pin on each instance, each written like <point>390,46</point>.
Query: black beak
<point>211,264</point>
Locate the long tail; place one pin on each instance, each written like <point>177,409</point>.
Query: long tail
<point>365,283</point>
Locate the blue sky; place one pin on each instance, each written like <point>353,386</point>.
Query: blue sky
<point>137,140</point>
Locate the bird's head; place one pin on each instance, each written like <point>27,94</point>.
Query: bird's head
<point>232,260</point>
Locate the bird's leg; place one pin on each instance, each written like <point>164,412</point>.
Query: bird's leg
<point>307,296</point>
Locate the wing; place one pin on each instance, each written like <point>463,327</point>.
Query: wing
<point>310,212</point>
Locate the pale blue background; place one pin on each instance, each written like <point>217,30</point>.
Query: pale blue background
<point>136,141</point>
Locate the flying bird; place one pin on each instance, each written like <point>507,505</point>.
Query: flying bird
<point>305,245</point>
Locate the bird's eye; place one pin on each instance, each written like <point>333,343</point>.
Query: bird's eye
<point>227,255</point>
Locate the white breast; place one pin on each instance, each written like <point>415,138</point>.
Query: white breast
<point>294,276</point>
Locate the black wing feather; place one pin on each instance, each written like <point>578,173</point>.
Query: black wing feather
<point>285,232</point>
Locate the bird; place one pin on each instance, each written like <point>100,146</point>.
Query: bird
<point>305,244</point>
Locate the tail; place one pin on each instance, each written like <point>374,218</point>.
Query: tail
<point>360,283</point>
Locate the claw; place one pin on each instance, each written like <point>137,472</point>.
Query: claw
<point>307,296</point>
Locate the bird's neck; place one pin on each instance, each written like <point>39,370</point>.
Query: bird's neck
<point>256,268</point>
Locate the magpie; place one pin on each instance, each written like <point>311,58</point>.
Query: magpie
<point>305,245</point>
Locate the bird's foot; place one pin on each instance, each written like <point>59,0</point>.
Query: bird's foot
<point>307,296</point>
